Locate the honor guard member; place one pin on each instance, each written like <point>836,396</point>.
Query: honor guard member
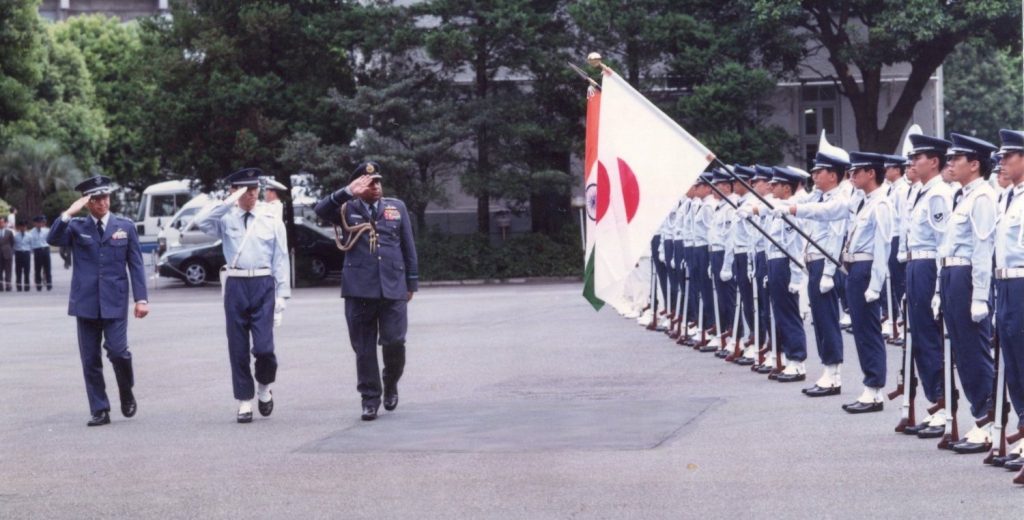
<point>827,172</point>
<point>255,282</point>
<point>783,281</point>
<point>927,213</point>
<point>1009,275</point>
<point>866,255</point>
<point>701,268</point>
<point>667,252</point>
<point>966,254</point>
<point>689,245</point>
<point>739,260</point>
<point>106,255</point>
<point>380,276</point>
<point>721,228</point>
<point>41,253</point>
<point>897,187</point>
<point>272,197</point>
<point>762,184</point>
<point>678,223</point>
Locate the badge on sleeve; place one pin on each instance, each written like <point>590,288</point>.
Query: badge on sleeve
<point>938,217</point>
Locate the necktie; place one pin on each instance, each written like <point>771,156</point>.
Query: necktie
<point>245,219</point>
<point>889,193</point>
<point>99,227</point>
<point>919,195</point>
<point>1009,198</point>
<point>860,206</point>
<point>957,196</point>
<point>373,211</point>
<point>821,198</point>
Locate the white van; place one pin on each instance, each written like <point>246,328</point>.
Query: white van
<point>180,230</point>
<point>159,204</point>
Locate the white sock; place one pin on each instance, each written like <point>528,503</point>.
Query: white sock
<point>834,371</point>
<point>244,406</point>
<point>870,395</point>
<point>263,392</point>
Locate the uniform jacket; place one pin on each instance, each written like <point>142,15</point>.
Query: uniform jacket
<point>390,272</point>
<point>102,266</point>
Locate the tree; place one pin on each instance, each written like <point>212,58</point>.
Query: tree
<point>36,168</point>
<point>113,53</point>
<point>495,43</point>
<point>64,107</point>
<point>983,89</point>
<point>863,36</point>
<point>20,55</point>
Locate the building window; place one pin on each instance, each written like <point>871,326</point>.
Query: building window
<point>819,107</point>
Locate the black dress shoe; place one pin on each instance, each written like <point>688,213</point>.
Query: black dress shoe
<point>972,447</point>
<point>128,404</point>
<point>1000,462</point>
<point>99,418</point>
<point>932,432</point>
<point>244,417</point>
<point>369,413</point>
<point>1015,464</point>
<point>765,369</point>
<point>267,407</point>
<point>859,407</point>
<point>790,378</point>
<point>818,391</point>
<point>914,429</point>
<point>391,401</point>
<point>744,361</point>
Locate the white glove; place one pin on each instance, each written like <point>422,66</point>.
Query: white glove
<point>279,305</point>
<point>278,318</point>
<point>661,252</point>
<point>936,305</point>
<point>871,296</point>
<point>901,258</point>
<point>780,210</point>
<point>979,310</point>
<point>726,274</point>
<point>826,285</point>
<point>743,212</point>
<point>794,288</point>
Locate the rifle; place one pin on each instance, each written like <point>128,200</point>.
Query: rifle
<point>1002,408</point>
<point>654,292</point>
<point>736,350</point>
<point>714,301</point>
<point>907,378</point>
<point>685,304</point>
<point>952,434</point>
<point>674,331</point>
<point>890,301</point>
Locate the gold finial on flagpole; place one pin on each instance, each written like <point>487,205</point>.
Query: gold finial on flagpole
<point>594,59</point>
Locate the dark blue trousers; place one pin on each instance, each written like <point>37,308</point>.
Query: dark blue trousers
<point>249,313</point>
<point>924,329</point>
<point>726,290</point>
<point>660,269</point>
<point>840,281</point>
<point>786,306</point>
<point>867,324</point>
<point>22,268</point>
<point>763,295</point>
<point>693,293</point>
<point>677,266</point>
<point>971,341</point>
<point>1010,323</point>
<point>825,313</point>
<point>370,319</point>
<point>699,274</point>
<point>897,280</point>
<point>112,335</point>
<point>41,255</point>
<point>672,273</point>
<point>741,270</point>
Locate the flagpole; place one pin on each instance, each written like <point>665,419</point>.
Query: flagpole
<point>784,217</point>
<point>757,227</point>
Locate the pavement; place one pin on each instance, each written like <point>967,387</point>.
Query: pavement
<point>519,401</point>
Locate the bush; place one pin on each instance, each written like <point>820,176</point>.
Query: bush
<point>457,257</point>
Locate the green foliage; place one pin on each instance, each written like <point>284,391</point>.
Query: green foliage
<point>474,257</point>
<point>983,89</point>
<point>36,168</point>
<point>55,203</point>
<point>20,57</point>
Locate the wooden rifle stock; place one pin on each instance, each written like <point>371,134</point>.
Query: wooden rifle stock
<point>1002,409</point>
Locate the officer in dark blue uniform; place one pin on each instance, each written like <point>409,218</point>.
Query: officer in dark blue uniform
<point>106,254</point>
<point>380,275</point>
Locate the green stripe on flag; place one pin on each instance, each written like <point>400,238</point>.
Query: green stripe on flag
<point>588,283</point>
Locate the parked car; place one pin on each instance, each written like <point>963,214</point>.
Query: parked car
<point>199,264</point>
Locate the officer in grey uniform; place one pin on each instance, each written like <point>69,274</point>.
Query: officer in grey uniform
<point>381,274</point>
<point>106,254</point>
<point>255,281</point>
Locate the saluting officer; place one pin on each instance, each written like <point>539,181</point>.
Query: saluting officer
<point>255,282</point>
<point>966,254</point>
<point>927,214</point>
<point>1009,275</point>
<point>106,254</point>
<point>380,276</point>
<point>824,299</point>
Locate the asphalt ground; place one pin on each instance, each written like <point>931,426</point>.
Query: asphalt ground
<point>519,401</point>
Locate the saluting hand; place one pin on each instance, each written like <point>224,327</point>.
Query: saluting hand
<point>141,310</point>
<point>77,206</point>
<point>361,185</point>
